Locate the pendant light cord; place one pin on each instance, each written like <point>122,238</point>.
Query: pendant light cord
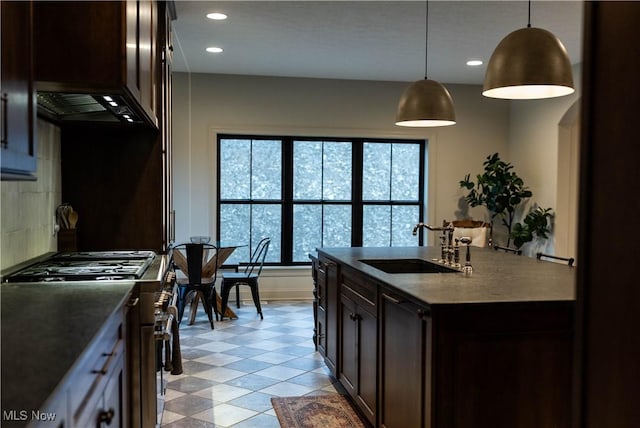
<point>529,18</point>
<point>426,40</point>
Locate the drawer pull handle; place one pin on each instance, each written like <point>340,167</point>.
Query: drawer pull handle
<point>133,302</point>
<point>106,416</point>
<point>391,298</point>
<point>101,371</point>
<point>5,122</point>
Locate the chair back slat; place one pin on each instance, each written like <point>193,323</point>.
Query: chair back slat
<point>193,264</point>
<point>257,258</point>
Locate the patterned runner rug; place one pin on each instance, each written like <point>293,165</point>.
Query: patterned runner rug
<point>326,411</point>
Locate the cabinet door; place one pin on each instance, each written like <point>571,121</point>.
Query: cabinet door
<point>141,16</point>
<point>348,344</point>
<point>17,95</point>
<point>331,293</point>
<point>358,351</point>
<point>405,354</point>
<point>367,363</point>
<point>112,412</point>
<point>321,300</point>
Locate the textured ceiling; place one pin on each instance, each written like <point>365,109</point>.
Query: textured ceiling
<point>363,40</point>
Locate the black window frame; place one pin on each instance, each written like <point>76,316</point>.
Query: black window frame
<point>287,203</point>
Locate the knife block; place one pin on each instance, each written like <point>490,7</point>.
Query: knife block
<point>67,240</point>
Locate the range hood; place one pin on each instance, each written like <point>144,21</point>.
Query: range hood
<point>65,107</point>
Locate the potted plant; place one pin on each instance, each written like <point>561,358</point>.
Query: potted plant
<point>536,224</point>
<point>499,189</point>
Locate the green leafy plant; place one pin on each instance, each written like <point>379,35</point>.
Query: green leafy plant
<point>499,189</point>
<point>536,223</point>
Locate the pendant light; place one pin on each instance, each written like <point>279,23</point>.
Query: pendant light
<point>426,102</point>
<point>529,63</point>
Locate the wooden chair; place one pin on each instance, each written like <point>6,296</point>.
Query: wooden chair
<point>479,231</point>
<point>508,250</point>
<point>248,277</point>
<point>568,260</point>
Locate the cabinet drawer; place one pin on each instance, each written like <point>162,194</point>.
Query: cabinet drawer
<point>96,366</point>
<point>321,284</point>
<point>365,292</point>
<point>321,331</point>
<point>104,406</point>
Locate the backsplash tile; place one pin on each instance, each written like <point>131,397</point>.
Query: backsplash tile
<point>27,208</point>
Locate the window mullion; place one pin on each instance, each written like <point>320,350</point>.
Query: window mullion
<point>356,193</point>
<point>287,201</point>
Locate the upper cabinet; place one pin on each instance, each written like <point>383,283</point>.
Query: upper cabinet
<point>103,48</point>
<point>17,105</point>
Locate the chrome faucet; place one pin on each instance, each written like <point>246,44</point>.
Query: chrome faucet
<point>446,254</point>
<point>445,227</point>
<point>467,269</point>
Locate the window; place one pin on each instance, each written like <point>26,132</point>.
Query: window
<point>313,192</point>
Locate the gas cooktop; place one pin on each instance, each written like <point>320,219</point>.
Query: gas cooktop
<point>86,266</point>
<point>103,255</point>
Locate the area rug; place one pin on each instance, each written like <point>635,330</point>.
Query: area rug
<point>326,411</point>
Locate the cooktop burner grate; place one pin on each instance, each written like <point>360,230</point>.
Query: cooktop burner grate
<point>87,266</point>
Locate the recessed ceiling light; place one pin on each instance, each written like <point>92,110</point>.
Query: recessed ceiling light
<point>214,49</point>
<point>474,62</point>
<point>217,16</point>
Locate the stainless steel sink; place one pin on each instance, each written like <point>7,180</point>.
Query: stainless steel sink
<point>407,266</point>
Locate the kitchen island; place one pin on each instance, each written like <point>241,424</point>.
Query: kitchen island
<point>53,337</point>
<point>493,349</point>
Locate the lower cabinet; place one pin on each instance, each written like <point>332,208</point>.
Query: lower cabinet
<point>358,350</point>
<point>325,275</point>
<point>95,393</point>
<point>105,405</point>
<point>405,346</point>
<point>406,363</point>
<point>98,398</point>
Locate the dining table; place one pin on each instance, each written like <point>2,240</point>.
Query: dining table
<point>210,264</point>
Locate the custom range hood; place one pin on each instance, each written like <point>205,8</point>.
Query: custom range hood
<point>96,61</point>
<point>64,107</point>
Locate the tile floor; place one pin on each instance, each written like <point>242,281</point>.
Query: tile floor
<point>231,372</point>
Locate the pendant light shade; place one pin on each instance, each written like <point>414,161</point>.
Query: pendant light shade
<point>530,63</point>
<point>425,103</point>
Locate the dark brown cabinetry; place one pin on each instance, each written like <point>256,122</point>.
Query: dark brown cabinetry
<point>100,47</point>
<point>502,365</point>
<point>166,14</point>
<point>358,344</point>
<point>326,305</point>
<point>17,96</point>
<point>118,177</point>
<point>405,345</point>
<point>97,396</point>
<point>410,363</point>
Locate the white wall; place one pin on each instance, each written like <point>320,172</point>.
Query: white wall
<point>534,146</point>
<point>205,104</point>
<point>27,208</point>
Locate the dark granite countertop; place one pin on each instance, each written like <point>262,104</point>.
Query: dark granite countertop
<point>45,329</point>
<point>497,276</point>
